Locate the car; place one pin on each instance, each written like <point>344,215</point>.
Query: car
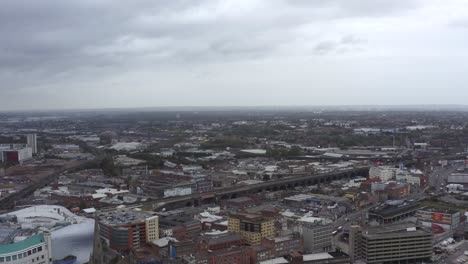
<point>347,219</point>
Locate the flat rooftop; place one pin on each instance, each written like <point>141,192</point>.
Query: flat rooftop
<point>405,229</point>
<point>123,216</point>
<point>430,209</point>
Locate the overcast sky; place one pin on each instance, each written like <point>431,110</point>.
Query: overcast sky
<point>150,53</point>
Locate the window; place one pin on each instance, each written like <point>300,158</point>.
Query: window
<point>8,258</point>
<point>39,249</point>
<point>14,257</point>
<point>34,250</point>
<point>20,256</point>
<point>2,259</point>
<point>29,252</point>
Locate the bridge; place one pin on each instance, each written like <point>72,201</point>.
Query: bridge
<point>286,183</point>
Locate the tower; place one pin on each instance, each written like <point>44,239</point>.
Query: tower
<point>97,254</point>
<point>32,142</point>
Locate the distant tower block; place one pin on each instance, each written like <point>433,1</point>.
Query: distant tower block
<point>32,142</point>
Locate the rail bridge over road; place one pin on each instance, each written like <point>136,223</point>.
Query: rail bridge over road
<point>286,183</point>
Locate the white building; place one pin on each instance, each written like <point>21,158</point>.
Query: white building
<point>35,249</point>
<point>32,142</point>
<point>177,192</point>
<point>409,177</point>
<point>385,173</point>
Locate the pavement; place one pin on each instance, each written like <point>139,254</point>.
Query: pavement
<point>455,254</point>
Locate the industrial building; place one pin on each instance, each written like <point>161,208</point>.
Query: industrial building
<point>393,243</point>
<point>390,213</point>
<point>125,229</point>
<point>252,227</point>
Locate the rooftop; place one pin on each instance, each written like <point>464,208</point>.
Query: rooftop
<point>316,256</point>
<point>123,216</point>
<point>390,210</point>
<point>251,217</point>
<point>405,229</point>
<point>24,244</point>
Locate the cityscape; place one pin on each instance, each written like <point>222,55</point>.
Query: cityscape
<point>232,186</point>
<point>234,132</point>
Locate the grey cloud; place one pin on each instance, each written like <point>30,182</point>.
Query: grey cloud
<point>350,8</point>
<point>60,34</point>
<point>64,43</point>
<point>344,44</point>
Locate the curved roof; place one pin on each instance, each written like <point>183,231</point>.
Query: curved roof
<point>24,244</point>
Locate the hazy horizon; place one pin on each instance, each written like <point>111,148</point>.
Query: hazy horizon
<point>105,54</point>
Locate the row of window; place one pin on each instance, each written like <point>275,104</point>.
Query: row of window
<point>22,255</point>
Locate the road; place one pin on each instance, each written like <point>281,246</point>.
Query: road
<point>456,253</point>
<point>438,177</point>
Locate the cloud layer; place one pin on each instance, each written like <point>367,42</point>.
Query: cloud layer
<point>103,53</point>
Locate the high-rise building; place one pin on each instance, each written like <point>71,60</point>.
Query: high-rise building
<point>32,142</point>
<point>393,243</point>
<point>125,229</point>
<point>252,227</point>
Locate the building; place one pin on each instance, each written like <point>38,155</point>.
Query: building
<point>393,243</point>
<point>233,255</point>
<point>15,153</point>
<point>458,178</point>
<point>326,258</point>
<point>411,177</point>
<point>252,227</point>
<point>390,213</point>
<point>385,173</point>
<point>219,240</point>
<point>31,140</point>
<point>438,220</point>
<point>317,234</point>
<point>125,229</point>
<point>297,257</point>
<point>285,245</point>
<point>35,249</point>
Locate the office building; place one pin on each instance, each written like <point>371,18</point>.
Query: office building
<point>32,142</point>
<point>393,243</point>
<point>384,173</point>
<point>35,249</point>
<point>15,153</point>
<point>125,229</point>
<point>252,227</point>
<point>439,220</point>
<point>317,234</point>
